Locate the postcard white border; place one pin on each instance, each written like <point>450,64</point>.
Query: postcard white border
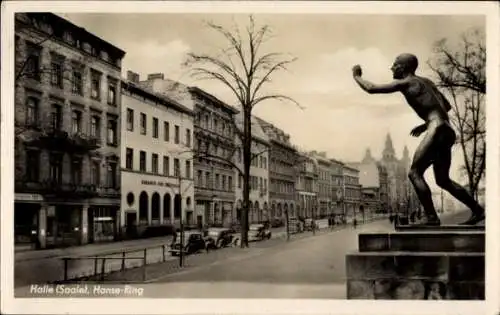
<point>10,305</point>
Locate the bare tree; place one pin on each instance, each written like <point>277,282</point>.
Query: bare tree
<point>461,72</point>
<point>245,70</point>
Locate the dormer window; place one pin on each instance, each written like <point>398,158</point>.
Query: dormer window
<point>68,37</point>
<point>104,55</point>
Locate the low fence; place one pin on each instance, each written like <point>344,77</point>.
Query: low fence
<point>147,262</point>
<point>96,266</point>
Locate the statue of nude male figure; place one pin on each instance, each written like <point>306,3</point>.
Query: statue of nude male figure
<point>435,149</point>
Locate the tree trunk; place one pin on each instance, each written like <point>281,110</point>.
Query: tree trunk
<point>247,144</point>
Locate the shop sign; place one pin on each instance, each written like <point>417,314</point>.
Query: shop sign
<point>27,197</point>
<point>155,183</point>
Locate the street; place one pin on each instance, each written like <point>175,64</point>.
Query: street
<point>312,267</point>
<point>307,267</point>
<point>28,264</point>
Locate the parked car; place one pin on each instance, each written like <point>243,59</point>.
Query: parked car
<point>258,232</point>
<point>192,243</point>
<point>308,224</point>
<point>219,237</point>
<point>277,222</point>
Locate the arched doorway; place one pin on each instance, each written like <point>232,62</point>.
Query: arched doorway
<point>265,212</point>
<point>292,211</point>
<point>286,213</point>
<point>155,207</point>
<point>167,208</point>
<point>279,214</point>
<point>273,211</point>
<point>143,208</point>
<point>177,207</point>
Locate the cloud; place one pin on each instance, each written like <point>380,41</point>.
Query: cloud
<point>331,72</point>
<point>152,56</point>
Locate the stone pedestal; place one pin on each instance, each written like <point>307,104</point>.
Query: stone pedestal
<point>435,263</point>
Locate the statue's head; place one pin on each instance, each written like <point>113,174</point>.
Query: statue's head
<point>404,65</point>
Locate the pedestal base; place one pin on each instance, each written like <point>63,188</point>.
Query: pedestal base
<point>436,264</point>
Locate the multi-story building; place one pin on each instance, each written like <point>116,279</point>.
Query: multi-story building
<point>337,180</point>
<point>373,179</point>
<point>306,185</point>
<point>259,172</point>
<point>157,164</point>
<point>351,192</point>
<point>214,136</point>
<point>214,132</point>
<point>283,160</point>
<point>67,133</point>
<point>324,197</point>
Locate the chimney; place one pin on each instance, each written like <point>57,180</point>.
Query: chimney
<point>132,76</point>
<point>154,76</point>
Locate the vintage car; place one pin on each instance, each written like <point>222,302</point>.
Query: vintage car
<point>219,238</point>
<point>193,242</point>
<point>258,232</point>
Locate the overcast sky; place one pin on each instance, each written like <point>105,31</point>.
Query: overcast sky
<point>338,118</point>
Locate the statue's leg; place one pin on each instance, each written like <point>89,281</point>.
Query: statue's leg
<point>422,159</point>
<point>441,173</point>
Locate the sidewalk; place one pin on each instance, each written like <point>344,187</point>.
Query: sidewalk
<point>95,249</point>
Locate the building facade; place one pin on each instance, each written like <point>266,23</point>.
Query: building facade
<point>352,192</point>
<point>337,180</point>
<point>67,133</point>
<point>283,159</point>
<point>306,185</point>
<point>215,148</point>
<point>324,204</point>
<point>157,164</point>
<point>259,173</point>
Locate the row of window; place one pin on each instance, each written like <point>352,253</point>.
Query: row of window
<point>70,38</point>
<point>76,73</point>
<point>155,164</point>
<point>155,128</point>
<point>56,161</point>
<point>256,161</point>
<point>352,193</point>
<point>256,183</point>
<point>217,182</point>
<point>56,117</point>
<point>213,149</point>
<point>281,167</point>
<point>218,126</point>
<point>278,186</point>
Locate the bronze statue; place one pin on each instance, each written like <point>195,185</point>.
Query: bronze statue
<point>435,148</point>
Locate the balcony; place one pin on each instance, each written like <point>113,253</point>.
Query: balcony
<point>55,139</point>
<point>52,188</point>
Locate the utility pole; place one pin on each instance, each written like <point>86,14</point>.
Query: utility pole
<point>181,253</point>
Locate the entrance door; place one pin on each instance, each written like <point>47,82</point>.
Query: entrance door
<point>131,224</point>
<point>199,221</point>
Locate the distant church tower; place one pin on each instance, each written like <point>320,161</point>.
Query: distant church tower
<point>388,154</point>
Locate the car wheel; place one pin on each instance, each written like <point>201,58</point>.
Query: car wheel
<point>236,242</point>
<point>219,244</point>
